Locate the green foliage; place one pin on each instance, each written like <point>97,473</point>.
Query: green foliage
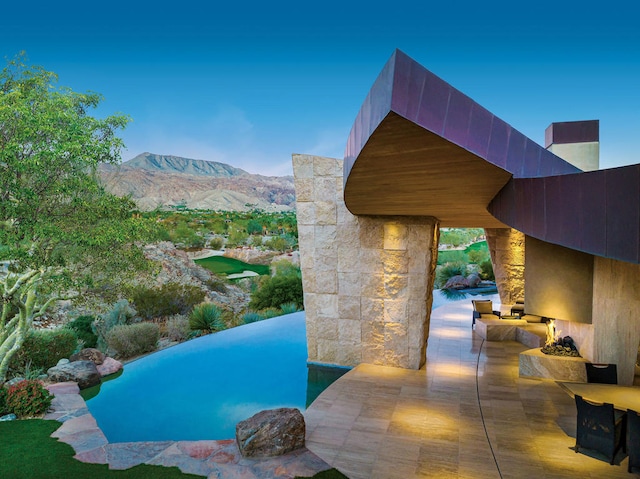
<point>43,348</point>
<point>477,256</point>
<point>256,241</point>
<point>486,270</point>
<point>289,308</point>
<point>216,243</point>
<point>254,227</point>
<point>121,313</point>
<point>129,340</point>
<point>28,398</point>
<point>169,299</point>
<point>279,289</point>
<point>237,237</point>
<point>59,229</point>
<point>277,243</point>
<point>177,328</point>
<point>207,317</point>
<point>3,401</point>
<point>83,328</point>
<point>453,256</point>
<point>270,313</point>
<point>251,317</point>
<point>447,271</point>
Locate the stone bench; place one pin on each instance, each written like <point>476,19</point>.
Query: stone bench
<point>498,329</point>
<point>535,364</point>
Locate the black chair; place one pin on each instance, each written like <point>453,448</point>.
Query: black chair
<point>599,428</point>
<point>633,439</point>
<point>602,373</point>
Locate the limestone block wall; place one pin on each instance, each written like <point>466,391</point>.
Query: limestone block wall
<point>616,315</point>
<point>506,247</point>
<point>367,281</point>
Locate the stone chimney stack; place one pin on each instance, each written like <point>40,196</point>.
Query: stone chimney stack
<point>577,142</point>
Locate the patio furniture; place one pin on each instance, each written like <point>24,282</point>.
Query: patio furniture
<point>518,308</point>
<point>599,428</point>
<point>602,373</point>
<point>633,439</point>
<point>483,308</point>
<point>622,397</point>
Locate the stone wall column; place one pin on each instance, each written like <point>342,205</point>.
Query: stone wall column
<point>367,280</point>
<point>506,247</point>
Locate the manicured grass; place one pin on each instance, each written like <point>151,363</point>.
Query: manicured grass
<point>224,265</point>
<point>27,452</point>
<point>448,256</point>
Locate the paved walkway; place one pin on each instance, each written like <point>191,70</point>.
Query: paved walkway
<point>466,415</point>
<point>212,459</point>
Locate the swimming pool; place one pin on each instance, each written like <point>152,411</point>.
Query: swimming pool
<point>201,388</point>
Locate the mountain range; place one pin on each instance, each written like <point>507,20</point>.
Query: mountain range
<point>155,181</point>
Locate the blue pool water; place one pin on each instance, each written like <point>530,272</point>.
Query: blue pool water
<point>201,388</point>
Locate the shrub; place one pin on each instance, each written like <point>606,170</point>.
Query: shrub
<point>121,313</point>
<point>276,290</point>
<point>129,340</point>
<point>207,317</point>
<point>169,299</point>
<point>288,308</point>
<point>82,326</point>
<point>43,348</point>
<point>449,270</point>
<point>177,328</point>
<point>217,284</point>
<point>486,270</point>
<point>3,401</point>
<point>216,243</point>
<point>251,317</point>
<point>28,398</point>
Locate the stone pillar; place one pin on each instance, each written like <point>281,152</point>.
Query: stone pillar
<point>367,280</point>
<point>506,247</point>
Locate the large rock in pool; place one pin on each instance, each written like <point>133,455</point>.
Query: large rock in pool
<point>85,373</point>
<point>109,366</point>
<point>271,433</point>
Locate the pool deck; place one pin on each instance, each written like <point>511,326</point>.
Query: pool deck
<point>212,459</point>
<point>467,414</point>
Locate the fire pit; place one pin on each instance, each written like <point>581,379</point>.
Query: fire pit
<point>556,345</point>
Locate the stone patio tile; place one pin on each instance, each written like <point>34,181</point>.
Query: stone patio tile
<point>204,449</point>
<point>85,422</point>
<point>68,387</point>
<point>173,456</point>
<point>86,440</point>
<point>93,456</point>
<point>235,471</point>
<point>128,454</point>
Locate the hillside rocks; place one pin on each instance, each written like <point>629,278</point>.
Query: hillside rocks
<point>159,180</point>
<point>178,267</point>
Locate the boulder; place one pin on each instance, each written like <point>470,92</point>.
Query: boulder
<point>8,417</point>
<point>89,354</point>
<point>271,433</point>
<point>473,280</point>
<point>85,373</point>
<point>456,282</point>
<point>109,366</point>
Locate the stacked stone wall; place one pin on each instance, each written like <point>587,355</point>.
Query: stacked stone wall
<point>506,247</point>
<point>368,280</point>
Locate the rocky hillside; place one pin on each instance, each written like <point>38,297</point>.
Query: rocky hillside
<point>164,181</point>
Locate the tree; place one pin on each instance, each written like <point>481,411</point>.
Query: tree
<point>61,234</point>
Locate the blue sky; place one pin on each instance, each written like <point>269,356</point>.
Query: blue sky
<point>251,83</point>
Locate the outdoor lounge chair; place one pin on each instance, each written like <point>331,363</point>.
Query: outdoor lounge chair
<point>599,428</point>
<point>633,439</point>
<point>483,308</point>
<point>602,373</point>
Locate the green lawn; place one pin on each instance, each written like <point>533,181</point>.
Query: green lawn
<point>224,265</point>
<point>449,256</point>
<point>27,452</point>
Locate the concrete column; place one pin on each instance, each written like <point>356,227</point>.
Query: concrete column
<point>367,280</point>
<point>506,247</point>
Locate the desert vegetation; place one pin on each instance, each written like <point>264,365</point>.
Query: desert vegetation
<point>463,251</point>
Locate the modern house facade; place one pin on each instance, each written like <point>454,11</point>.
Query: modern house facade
<point>422,155</point>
